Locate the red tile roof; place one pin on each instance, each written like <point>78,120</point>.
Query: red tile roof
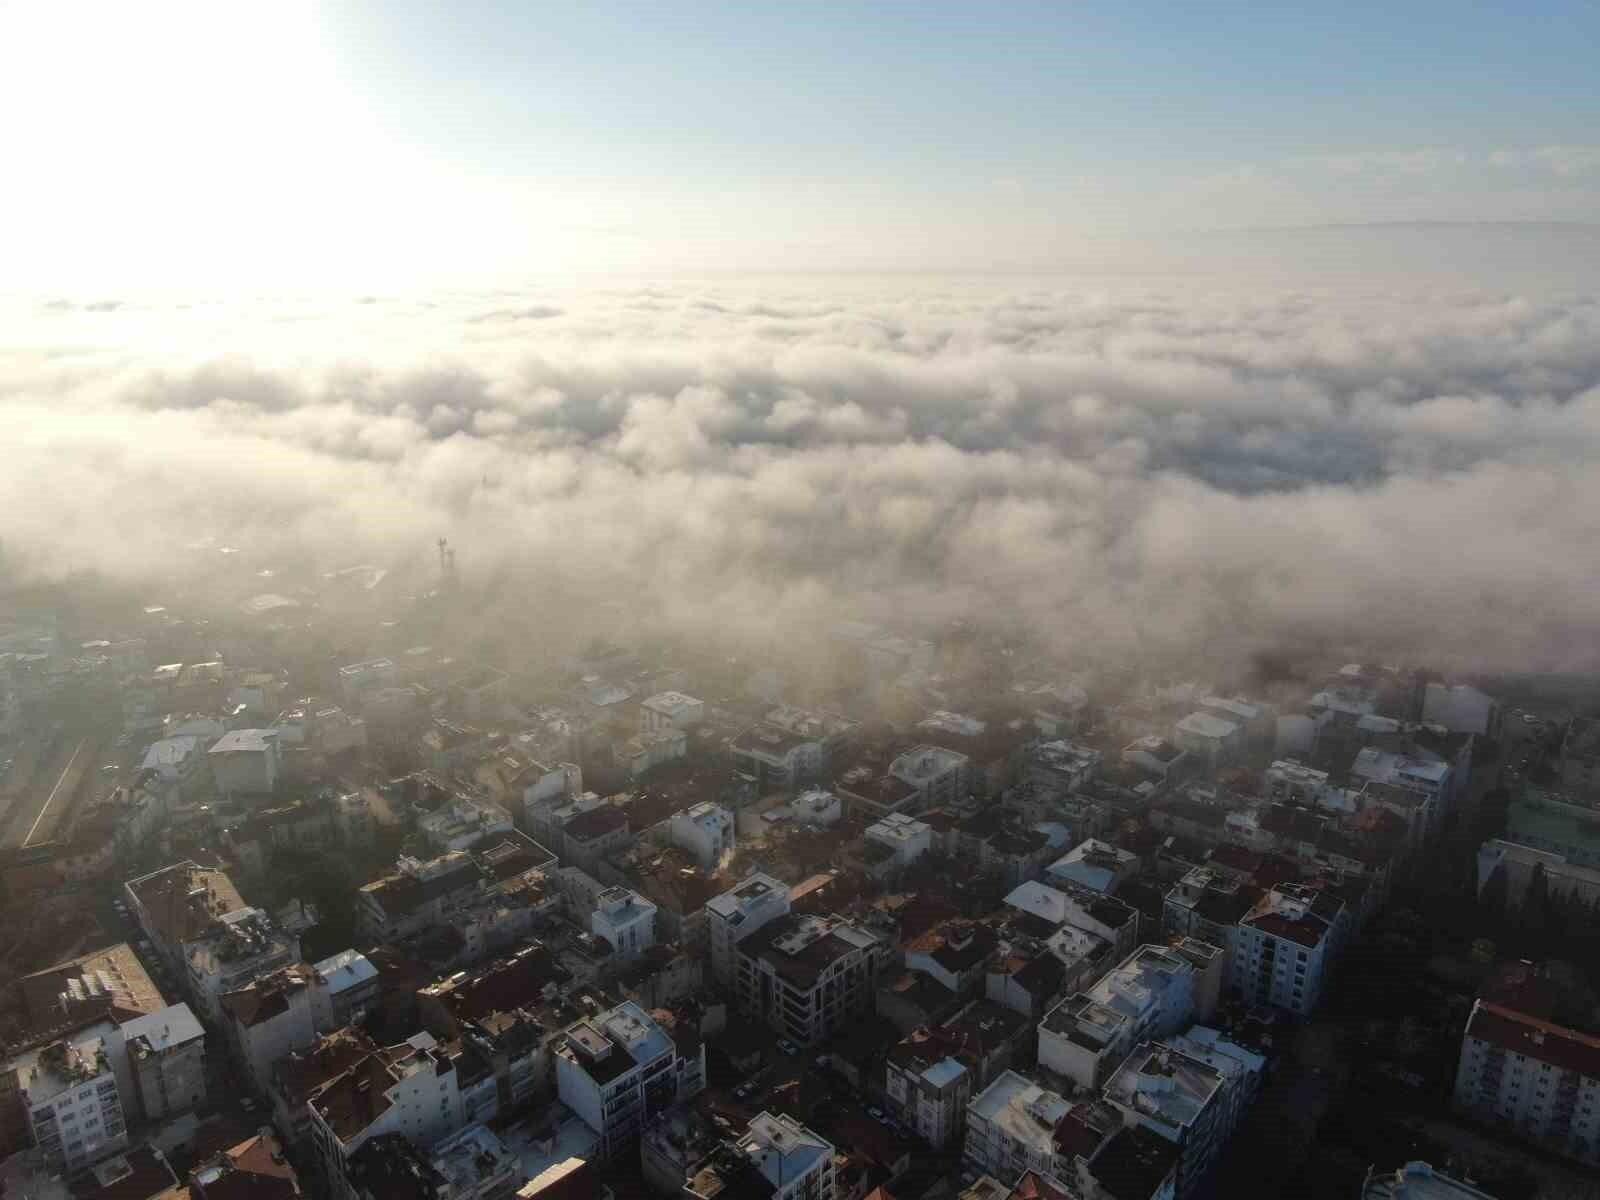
<point>1541,1040</point>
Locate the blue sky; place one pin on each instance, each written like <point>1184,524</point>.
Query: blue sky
<point>378,137</point>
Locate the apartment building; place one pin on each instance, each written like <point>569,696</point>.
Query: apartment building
<point>1011,1128</point>
<point>705,830</point>
<point>410,1089</point>
<point>166,1054</point>
<point>1095,865</point>
<point>777,1157</point>
<point>178,904</point>
<point>1179,1098</point>
<point>805,976</point>
<point>415,895</point>
<point>625,920</point>
<point>1533,1078</point>
<point>738,913</point>
<point>238,948</point>
<point>928,1087</point>
<point>270,1016</point>
<point>297,1076</point>
<point>69,1095</point>
<point>1150,994</point>
<point>619,1069</point>
<point>1285,946</point>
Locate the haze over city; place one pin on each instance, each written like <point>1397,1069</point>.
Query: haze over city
<point>853,601</point>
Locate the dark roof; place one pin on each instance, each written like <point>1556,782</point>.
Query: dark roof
<point>400,893</point>
<point>1134,1163</point>
<point>135,1174</point>
<point>957,946</point>
<point>303,1071</point>
<point>1189,810</point>
<point>255,1169</point>
<point>596,822</point>
<point>506,985</point>
<point>1043,976</point>
<point>511,854</point>
<point>805,965</point>
<point>389,1167</point>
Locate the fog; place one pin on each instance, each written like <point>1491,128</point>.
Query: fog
<point>1164,465</point>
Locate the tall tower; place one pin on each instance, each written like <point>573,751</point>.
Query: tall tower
<point>447,566</point>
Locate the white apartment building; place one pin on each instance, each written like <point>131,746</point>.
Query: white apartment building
<point>906,838</point>
<point>1284,947</point>
<point>1241,1068</point>
<point>1431,779</point>
<point>775,759</point>
<point>1213,740</point>
<point>244,762</point>
<point>166,1056</point>
<point>643,751</point>
<point>670,710</point>
<point>807,976</point>
<point>347,985</point>
<point>410,1088</point>
<point>178,762</point>
<point>739,912</point>
<point>1061,765</point>
<point>1011,1128</point>
<point>625,920</point>
<point>619,1070</point>
<point>795,1162</point>
<point>929,1089</point>
<point>1533,1078</point>
<point>270,1016</point>
<point>1179,1098</point>
<point>705,830</point>
<point>1103,916</point>
<point>1293,782</point>
<point>463,823</point>
<point>1154,754</point>
<point>941,777</point>
<point>1095,865</point>
<point>68,1091</point>
<point>1150,994</point>
<point>240,946</point>
<point>476,1165</point>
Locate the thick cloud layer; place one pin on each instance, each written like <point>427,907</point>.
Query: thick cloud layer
<point>1153,469</point>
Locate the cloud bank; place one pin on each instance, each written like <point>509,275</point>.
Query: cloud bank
<point>1128,468</point>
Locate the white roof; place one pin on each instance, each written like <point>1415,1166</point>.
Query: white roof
<point>171,1026</point>
<point>245,741</point>
<point>944,1071</point>
<point>1242,709</point>
<point>1041,901</point>
<point>169,752</point>
<point>670,703</point>
<point>345,969</point>
<point>1207,725</point>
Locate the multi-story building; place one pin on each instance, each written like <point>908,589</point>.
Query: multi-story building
<point>297,1076</point>
<point>178,904</point>
<point>905,838</point>
<point>1242,1068</point>
<point>1179,1098</point>
<point>1095,865</point>
<point>410,1088</point>
<point>347,985</point>
<point>69,1095</point>
<point>736,914</point>
<point>244,762</point>
<point>1151,994</point>
<point>940,777</point>
<point>626,920</point>
<point>166,1053</point>
<point>1060,765</point>
<point>774,759</point>
<point>270,1016</point>
<point>1462,709</point>
<point>619,1070</point>
<point>239,947</point>
<point>357,680</point>
<point>475,1165</point>
<point>463,823</point>
<point>1533,1078</point>
<point>1207,904</point>
<point>1011,1128</point>
<point>928,1087</point>
<point>777,1157</point>
<point>805,976</point>
<point>1208,738</point>
<point>705,830</point>
<point>670,710</point>
<point>415,895</point>
<point>1285,946</point>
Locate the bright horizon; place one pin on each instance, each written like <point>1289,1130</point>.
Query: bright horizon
<point>308,145</point>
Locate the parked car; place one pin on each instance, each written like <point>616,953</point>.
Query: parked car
<point>788,1047</point>
<point>874,1112</point>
